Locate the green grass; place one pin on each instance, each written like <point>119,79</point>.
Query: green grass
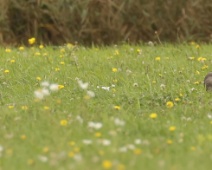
<point>51,133</point>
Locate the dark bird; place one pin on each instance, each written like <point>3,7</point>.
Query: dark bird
<point>208,82</point>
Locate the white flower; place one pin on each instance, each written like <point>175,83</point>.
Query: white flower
<point>106,88</point>
<point>38,94</point>
<point>106,142</point>
<point>45,92</point>
<point>45,84</point>
<point>119,122</point>
<point>84,86</point>
<point>43,158</point>
<point>209,116</point>
<point>1,148</point>
<point>123,149</point>
<point>87,141</point>
<point>90,93</point>
<point>95,125</point>
<point>54,87</point>
<point>79,118</point>
<point>137,141</point>
<point>131,146</point>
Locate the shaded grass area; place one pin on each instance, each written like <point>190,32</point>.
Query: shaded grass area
<point>70,129</point>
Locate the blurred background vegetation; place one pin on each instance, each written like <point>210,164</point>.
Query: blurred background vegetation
<point>105,21</point>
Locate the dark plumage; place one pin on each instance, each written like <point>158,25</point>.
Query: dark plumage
<point>208,81</point>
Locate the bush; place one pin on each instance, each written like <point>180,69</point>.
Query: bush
<point>105,21</point>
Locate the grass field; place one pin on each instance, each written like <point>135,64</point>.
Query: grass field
<point>120,107</point>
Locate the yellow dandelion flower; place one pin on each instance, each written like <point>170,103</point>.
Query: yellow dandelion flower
<point>60,86</point>
<point>97,134</point>
<point>7,50</point>
<point>57,69</point>
<point>37,54</point>
<point>71,154</point>
<point>10,106</point>
<point>106,164</point>
<point>21,48</point>
<point>116,52</point>
<point>169,141</point>
<point>12,61</point>
<point>117,107</point>
<point>211,122</point>
<point>204,67</point>
<point>24,107</point>
<point>169,104</point>
<point>201,59</point>
<point>154,82</point>
<point>41,46</point>
<point>45,149</point>
<point>6,71</point>
<point>137,151</point>
<point>64,122</point>
<point>197,72</point>
<point>71,143</point>
<point>196,82</point>
<point>46,108</point>
<point>62,50</point>
<point>197,46</point>
<point>62,63</point>
<point>153,115</point>
<point>177,99</point>
<point>157,59</point>
<point>172,128</point>
<point>114,70</point>
<point>31,41</point>
<point>23,137</point>
<point>38,78</point>
<point>193,148</point>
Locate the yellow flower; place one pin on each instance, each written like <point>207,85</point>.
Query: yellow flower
<point>62,50</point>
<point>30,162</point>
<point>196,82</point>
<point>116,52</point>
<point>41,46</point>
<point>12,61</point>
<point>172,128</point>
<point>6,71</point>
<point>31,41</point>
<point>153,115</point>
<point>97,134</point>
<point>71,154</point>
<point>7,50</point>
<point>62,63</point>
<point>23,137</point>
<point>193,148</point>
<point>204,67</point>
<point>169,104</point>
<point>177,99</point>
<point>117,107</point>
<point>24,107</point>
<point>37,53</point>
<point>137,151</point>
<point>71,143</point>
<point>46,108</point>
<point>57,69</point>
<point>45,149</point>
<point>63,122</point>
<point>114,70</point>
<point>201,59</point>
<point>169,141</point>
<point>21,48</point>
<point>61,86</point>
<point>197,72</point>
<point>10,106</point>
<point>157,59</point>
<point>38,78</point>
<point>191,58</point>
<point>106,164</point>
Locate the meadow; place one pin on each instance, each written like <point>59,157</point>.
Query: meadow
<point>122,107</point>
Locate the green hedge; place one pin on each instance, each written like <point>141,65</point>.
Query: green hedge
<point>105,21</point>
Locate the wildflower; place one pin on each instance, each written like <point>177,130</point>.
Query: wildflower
<point>31,41</point>
<point>153,115</point>
<point>62,63</point>
<point>201,59</point>
<point>169,141</point>
<point>63,122</point>
<point>46,108</point>
<point>24,107</point>
<point>97,134</point>
<point>38,78</point>
<point>87,141</point>
<point>40,94</point>
<point>71,154</point>
<point>62,50</point>
<point>45,84</point>
<point>191,58</point>
<point>7,50</point>
<point>177,99</point>
<point>41,46</point>
<point>193,148</point>
<point>12,61</point>
<point>61,86</point>
<point>119,122</point>
<point>114,70</point>
<point>6,71</point>
<point>106,164</point>
<point>157,59</point>
<point>116,52</point>
<point>37,54</point>
<point>71,143</point>
<point>45,149</point>
<point>117,107</point>
<point>172,128</point>
<point>82,85</point>
<point>197,72</point>
<point>169,104</point>
<point>21,48</point>
<point>204,67</point>
<point>57,69</point>
<point>53,87</point>
<point>106,142</point>
<point>23,137</point>
<point>137,151</point>
<point>43,158</point>
<point>196,82</point>
<point>95,125</point>
<point>10,106</point>
<point>106,88</point>
<point>90,93</point>
<point>137,141</point>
